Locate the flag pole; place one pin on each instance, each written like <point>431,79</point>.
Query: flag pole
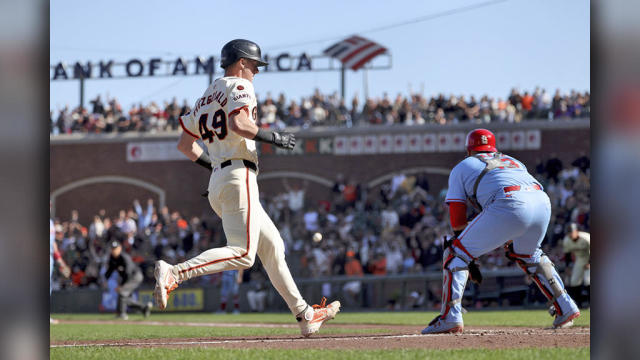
<point>342,80</point>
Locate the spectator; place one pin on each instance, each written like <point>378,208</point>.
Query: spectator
<point>379,264</point>
<point>369,228</point>
<point>389,218</point>
<point>352,268</point>
<point>553,167</point>
<point>321,110</point>
<point>582,162</point>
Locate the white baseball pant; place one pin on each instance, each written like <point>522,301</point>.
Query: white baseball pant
<point>233,195</point>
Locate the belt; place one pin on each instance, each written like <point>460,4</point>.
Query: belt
<point>247,164</point>
<point>518,188</point>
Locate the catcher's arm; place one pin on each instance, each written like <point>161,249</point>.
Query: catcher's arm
<point>458,217</point>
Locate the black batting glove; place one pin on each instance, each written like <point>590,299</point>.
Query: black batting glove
<point>284,140</point>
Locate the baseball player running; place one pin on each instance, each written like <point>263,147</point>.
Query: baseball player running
<point>224,118</point>
<point>514,211</point>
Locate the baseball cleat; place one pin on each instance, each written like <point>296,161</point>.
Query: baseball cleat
<point>439,326</point>
<point>165,283</point>
<point>310,320</point>
<point>566,320</point>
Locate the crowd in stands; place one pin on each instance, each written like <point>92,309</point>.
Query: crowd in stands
<point>108,116</point>
<point>394,229</point>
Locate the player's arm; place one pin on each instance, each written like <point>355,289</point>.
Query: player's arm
<point>239,277</point>
<point>458,217</point>
<point>456,198</point>
<point>241,124</point>
<point>64,268</point>
<point>189,147</point>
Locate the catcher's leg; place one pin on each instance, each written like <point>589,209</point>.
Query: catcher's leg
<point>455,271</point>
<point>543,273</point>
<point>525,251</point>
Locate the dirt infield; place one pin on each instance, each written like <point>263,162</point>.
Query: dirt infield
<point>394,337</point>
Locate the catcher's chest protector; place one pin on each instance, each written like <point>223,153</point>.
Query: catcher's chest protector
<point>490,164</point>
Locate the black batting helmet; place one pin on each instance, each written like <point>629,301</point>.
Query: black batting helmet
<point>240,48</point>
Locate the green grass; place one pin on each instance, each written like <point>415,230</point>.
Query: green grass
<point>134,329</point>
<point>87,332</point>
<point>527,318</point>
<point>233,354</point>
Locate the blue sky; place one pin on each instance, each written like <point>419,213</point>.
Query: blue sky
<point>513,43</point>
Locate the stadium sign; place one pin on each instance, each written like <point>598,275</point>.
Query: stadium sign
<point>353,53</point>
<point>157,67</point>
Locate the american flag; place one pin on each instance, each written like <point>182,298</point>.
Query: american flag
<point>355,51</point>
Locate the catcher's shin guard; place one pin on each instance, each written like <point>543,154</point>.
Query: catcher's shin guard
<point>544,274</point>
<point>454,279</point>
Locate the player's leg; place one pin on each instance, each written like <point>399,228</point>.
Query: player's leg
<point>235,290</point>
<point>236,200</point>
<point>252,300</point>
<point>51,320</point>
<point>225,289</point>
<point>525,251</point>
<point>125,296</point>
<point>240,208</point>
<point>587,287</point>
<point>271,253</point>
<point>261,300</point>
<point>490,229</point>
<point>576,281</point>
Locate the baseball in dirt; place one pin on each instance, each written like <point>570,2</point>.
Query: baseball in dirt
<point>317,237</point>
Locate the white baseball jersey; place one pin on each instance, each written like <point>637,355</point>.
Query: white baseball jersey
<point>233,193</point>
<point>581,249</point>
<point>209,119</point>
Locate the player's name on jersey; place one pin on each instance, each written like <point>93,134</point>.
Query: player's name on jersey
<point>157,67</point>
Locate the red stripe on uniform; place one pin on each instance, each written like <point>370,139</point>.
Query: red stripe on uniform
<point>249,211</point>
<point>359,64</point>
<point>238,109</point>
<point>248,237</point>
<point>185,128</point>
<point>473,222</point>
<point>448,299</point>
<point>458,244</point>
<point>547,294</point>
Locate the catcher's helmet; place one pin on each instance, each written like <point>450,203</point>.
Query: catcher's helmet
<point>481,140</point>
<point>240,48</point>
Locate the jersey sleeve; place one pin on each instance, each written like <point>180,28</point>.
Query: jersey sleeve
<point>188,124</point>
<point>456,192</point>
<point>242,96</point>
